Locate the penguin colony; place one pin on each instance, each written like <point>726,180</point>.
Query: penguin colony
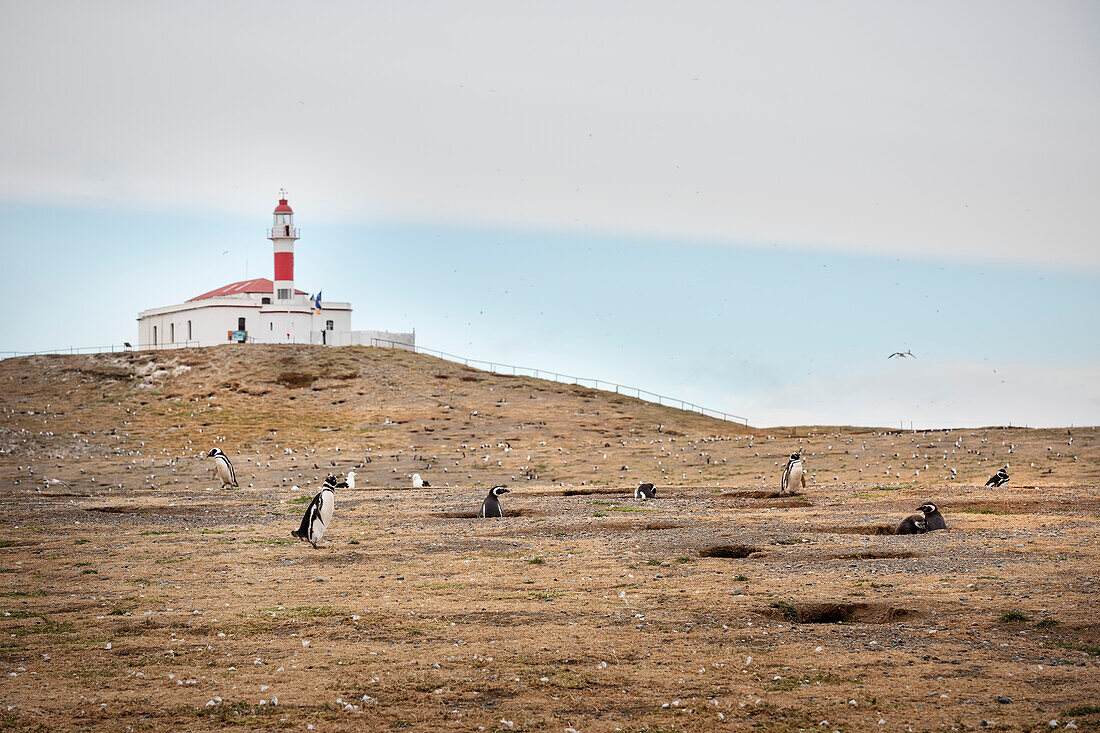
<point>318,515</point>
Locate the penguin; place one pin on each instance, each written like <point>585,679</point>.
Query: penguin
<point>794,474</point>
<point>999,478</point>
<point>928,520</point>
<point>223,467</point>
<point>419,483</point>
<point>645,491</point>
<point>319,513</point>
<point>491,506</point>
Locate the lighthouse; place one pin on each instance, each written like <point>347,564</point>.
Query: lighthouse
<point>283,234</point>
<point>261,311</point>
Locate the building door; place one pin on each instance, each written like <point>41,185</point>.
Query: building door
<point>240,324</point>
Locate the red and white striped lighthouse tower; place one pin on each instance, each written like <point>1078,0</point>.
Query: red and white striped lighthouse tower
<point>283,235</point>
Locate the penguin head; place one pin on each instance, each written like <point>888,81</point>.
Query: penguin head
<point>796,456</point>
<point>213,452</point>
<point>330,481</point>
<point>498,490</point>
<point>928,508</point>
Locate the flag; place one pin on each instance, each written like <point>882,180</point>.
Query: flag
<point>317,303</point>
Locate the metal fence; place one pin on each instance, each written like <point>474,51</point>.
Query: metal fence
<point>601,384</point>
<point>490,366</point>
<point>102,349</point>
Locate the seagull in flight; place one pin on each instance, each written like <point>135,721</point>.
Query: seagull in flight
<point>902,354</point>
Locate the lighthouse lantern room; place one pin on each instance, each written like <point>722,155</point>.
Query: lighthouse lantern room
<point>260,310</point>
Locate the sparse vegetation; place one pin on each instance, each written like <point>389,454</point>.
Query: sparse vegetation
<point>1013,616</point>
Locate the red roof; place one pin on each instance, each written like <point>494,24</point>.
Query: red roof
<point>259,285</point>
<point>283,207</point>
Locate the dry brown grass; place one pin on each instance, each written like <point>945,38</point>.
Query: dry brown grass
<point>582,608</point>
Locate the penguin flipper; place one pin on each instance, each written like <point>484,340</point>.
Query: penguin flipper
<point>313,508</point>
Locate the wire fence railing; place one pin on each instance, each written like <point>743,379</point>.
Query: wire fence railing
<point>601,384</point>
<point>491,366</point>
<point>102,349</point>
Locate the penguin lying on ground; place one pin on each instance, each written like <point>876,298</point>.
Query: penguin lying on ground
<point>794,474</point>
<point>319,513</point>
<point>645,491</point>
<point>928,520</point>
<point>999,478</point>
<point>419,483</point>
<point>223,467</point>
<point>491,506</point>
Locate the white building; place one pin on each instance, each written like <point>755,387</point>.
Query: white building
<point>260,310</point>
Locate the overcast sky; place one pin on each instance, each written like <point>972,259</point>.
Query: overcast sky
<point>933,144</point>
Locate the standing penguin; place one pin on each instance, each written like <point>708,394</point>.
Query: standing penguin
<point>645,491</point>
<point>223,467</point>
<point>491,506</point>
<point>319,513</point>
<point>928,520</point>
<point>999,478</point>
<point>794,474</point>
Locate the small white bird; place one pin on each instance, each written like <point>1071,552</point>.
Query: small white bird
<point>419,483</point>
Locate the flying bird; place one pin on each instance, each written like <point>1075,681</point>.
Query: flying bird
<point>902,354</point>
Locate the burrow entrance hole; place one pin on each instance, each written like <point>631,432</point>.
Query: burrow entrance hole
<point>839,613</point>
<point>732,552</point>
<point>869,529</point>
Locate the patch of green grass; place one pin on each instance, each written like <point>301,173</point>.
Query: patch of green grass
<point>165,560</point>
<point>601,502</point>
<point>1090,649</point>
<point>274,542</point>
<point>81,542</point>
<point>6,543</point>
<point>633,509</point>
<point>599,514</point>
<point>1047,623</point>
<point>990,577</point>
<point>789,612</point>
<point>888,488</point>
<point>154,532</point>
<point>1083,710</point>
<point>740,578</point>
<point>652,561</point>
<point>683,559</point>
<point>302,499</point>
<point>716,491</point>
<point>536,561</point>
<point>872,495</point>
<point>982,510</point>
<point>1014,615</point>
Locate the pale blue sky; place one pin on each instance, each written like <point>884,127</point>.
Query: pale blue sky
<point>748,205</point>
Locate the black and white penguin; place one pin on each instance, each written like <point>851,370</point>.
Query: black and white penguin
<point>999,478</point>
<point>794,474</point>
<point>223,467</point>
<point>319,513</point>
<point>491,506</point>
<point>928,520</point>
<point>645,491</point>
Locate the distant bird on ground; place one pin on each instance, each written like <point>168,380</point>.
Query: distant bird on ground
<point>223,467</point>
<point>48,482</point>
<point>794,474</point>
<point>491,506</point>
<point>998,479</point>
<point>645,491</point>
<point>348,482</point>
<point>318,514</point>
<point>419,483</point>
<point>127,344</point>
<point>902,354</point>
<point>928,520</point>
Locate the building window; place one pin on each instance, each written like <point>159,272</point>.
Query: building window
<point>271,325</point>
<point>265,301</point>
<point>240,324</point>
<point>329,325</point>
<point>284,294</point>
<point>171,333</point>
<point>154,335</point>
<point>189,330</point>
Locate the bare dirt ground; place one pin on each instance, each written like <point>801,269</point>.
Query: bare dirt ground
<point>136,594</point>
